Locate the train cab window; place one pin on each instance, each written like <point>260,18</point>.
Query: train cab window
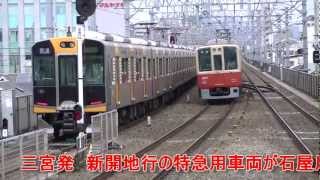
<point>204,56</point>
<point>44,71</point>
<point>230,56</point>
<point>217,60</point>
<point>124,69</point>
<point>138,69</point>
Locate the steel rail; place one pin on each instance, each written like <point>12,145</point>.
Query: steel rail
<point>157,142</point>
<point>311,117</point>
<point>278,116</point>
<point>198,141</point>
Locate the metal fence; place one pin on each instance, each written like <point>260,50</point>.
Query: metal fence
<point>104,131</point>
<point>12,149</point>
<point>275,71</point>
<point>24,117</point>
<point>16,113</point>
<point>307,83</point>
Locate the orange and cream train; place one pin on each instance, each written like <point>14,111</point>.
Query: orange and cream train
<point>219,71</point>
<point>131,75</point>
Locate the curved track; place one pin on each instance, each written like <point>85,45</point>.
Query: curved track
<point>181,140</point>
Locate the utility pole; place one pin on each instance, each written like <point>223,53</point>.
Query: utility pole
<point>286,58</point>
<point>316,30</point>
<point>305,35</point>
<point>126,4</point>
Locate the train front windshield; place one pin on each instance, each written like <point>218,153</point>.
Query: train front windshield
<point>204,56</point>
<point>43,71</point>
<point>230,56</point>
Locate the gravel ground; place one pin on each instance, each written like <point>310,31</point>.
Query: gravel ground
<point>136,137</point>
<point>307,129</point>
<point>180,141</point>
<point>250,129</point>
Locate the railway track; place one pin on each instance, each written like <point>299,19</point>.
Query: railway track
<point>162,144</point>
<point>295,119</point>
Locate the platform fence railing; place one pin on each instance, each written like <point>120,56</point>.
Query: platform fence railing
<point>13,149</point>
<point>104,131</point>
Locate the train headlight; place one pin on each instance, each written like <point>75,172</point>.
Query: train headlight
<point>67,44</point>
<point>63,44</point>
<point>71,44</point>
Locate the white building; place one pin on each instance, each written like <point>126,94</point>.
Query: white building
<point>23,22</point>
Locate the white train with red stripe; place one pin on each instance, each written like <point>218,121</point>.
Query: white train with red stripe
<point>219,71</point>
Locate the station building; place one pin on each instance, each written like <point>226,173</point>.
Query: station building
<point>23,22</point>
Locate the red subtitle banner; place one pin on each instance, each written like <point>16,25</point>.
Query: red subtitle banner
<point>178,162</point>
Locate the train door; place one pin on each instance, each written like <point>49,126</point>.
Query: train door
<point>68,84</point>
<point>155,75</point>
<point>94,88</point>
<point>149,77</point>
<point>144,75</point>
<point>132,62</point>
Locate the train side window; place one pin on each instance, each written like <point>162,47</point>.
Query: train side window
<point>177,64</point>
<point>138,69</point>
<point>115,74</point>
<point>160,67</point>
<point>155,68</point>
<point>164,66</point>
<point>230,57</point>
<point>149,68</point>
<point>124,69</point>
<point>143,68</point>
<point>217,60</point>
<point>167,67</point>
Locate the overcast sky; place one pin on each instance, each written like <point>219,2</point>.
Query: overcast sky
<point>112,20</point>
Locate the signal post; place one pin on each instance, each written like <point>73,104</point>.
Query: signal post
<point>85,8</point>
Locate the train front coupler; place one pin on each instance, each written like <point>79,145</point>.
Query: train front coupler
<point>69,113</point>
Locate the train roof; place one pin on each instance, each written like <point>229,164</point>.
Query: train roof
<point>216,45</point>
<point>136,41</point>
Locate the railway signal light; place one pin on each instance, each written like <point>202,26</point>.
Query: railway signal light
<point>86,7</point>
<point>173,39</point>
<point>316,57</point>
